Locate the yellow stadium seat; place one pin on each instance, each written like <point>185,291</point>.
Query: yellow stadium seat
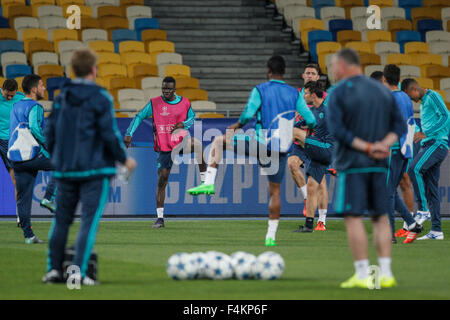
<point>63,34</point>
<point>425,83</point>
<point>381,3</point>
<point>42,3</point>
<point>50,70</point>
<point>153,35</point>
<point>306,25</point>
<point>367,59</point>
<point>101,46</point>
<point>359,47</point>
<point>374,36</point>
<point>38,46</point>
<point>416,47</point>
<point>112,23</point>
<point>116,84</point>
<point>131,59</point>
<point>348,5</point>
<point>398,59</point>
<point>109,11</point>
<point>323,49</point>
<point>420,13</point>
<point>142,71</point>
<point>1,81</point>
<point>8,34</point>
<point>177,70</point>
<point>448,25</point>
<point>63,3</point>
<point>345,36</point>
<point>89,23</point>
<point>112,70</point>
<point>32,34</point>
<point>18,11</point>
<point>421,59</point>
<point>108,57</point>
<point>127,3</point>
<point>435,3</point>
<point>398,25</point>
<point>131,46</point>
<point>161,46</point>
<point>19,83</point>
<point>187,83</point>
<point>210,115</point>
<point>436,73</point>
<point>85,11</point>
<point>100,81</point>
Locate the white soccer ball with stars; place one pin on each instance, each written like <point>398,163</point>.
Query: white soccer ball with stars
<point>218,266</point>
<point>242,264</point>
<point>268,266</point>
<point>181,266</point>
<point>200,259</point>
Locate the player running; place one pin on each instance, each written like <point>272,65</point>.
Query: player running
<point>8,98</point>
<point>318,148</point>
<point>297,157</point>
<point>274,104</point>
<point>170,114</point>
<point>365,122</point>
<point>425,168</point>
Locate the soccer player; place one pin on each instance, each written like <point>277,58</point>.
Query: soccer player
<point>8,98</point>
<point>297,157</point>
<point>171,114</point>
<point>318,149</point>
<point>425,168</point>
<point>27,152</point>
<point>400,154</point>
<point>274,104</point>
<point>365,122</point>
<point>85,145</point>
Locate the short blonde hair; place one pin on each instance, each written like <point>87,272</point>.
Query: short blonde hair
<point>83,60</point>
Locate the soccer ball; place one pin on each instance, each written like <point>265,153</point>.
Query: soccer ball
<point>181,266</point>
<point>218,266</point>
<point>268,266</point>
<point>242,264</point>
<point>199,259</point>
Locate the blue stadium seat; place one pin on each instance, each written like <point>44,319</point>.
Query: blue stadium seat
<point>10,45</point>
<point>314,37</point>
<point>120,35</point>
<point>408,5</point>
<point>4,23</point>
<point>366,3</point>
<point>407,36</point>
<point>144,24</point>
<point>336,25</point>
<point>53,84</point>
<point>423,26</point>
<point>17,70</point>
<point>319,4</point>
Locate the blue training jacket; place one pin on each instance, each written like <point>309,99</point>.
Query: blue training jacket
<point>82,135</point>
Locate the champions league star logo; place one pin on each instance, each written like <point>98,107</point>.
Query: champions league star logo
<point>164,113</point>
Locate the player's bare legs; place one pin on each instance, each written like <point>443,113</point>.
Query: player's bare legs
<point>323,205</point>
<point>294,164</point>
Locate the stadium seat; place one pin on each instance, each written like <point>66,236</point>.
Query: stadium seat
<point>445,84</point>
<point>187,83</point>
<point>360,47</point>
<point>24,23</point>
<point>46,105</point>
<point>207,115</point>
<point>132,59</point>
<point>445,17</point>
<point>177,70</point>
<point>19,11</point>
<point>59,35</point>
<point>347,5</point>
<point>48,11</point>
<point>32,34</point>
<point>39,46</point>
<point>17,70</point>
<point>436,73</point>
<point>407,36</point>
<point>417,47</point>
<point>41,58</point>
<point>381,3</point>
<point>144,24</point>
<point>41,2</point>
<point>331,13</point>
<point>345,36</point>
<point>193,94</point>
<point>8,34</point>
<point>425,83</point>
<point>169,58</point>
<point>130,94</point>
<point>19,81</point>
<point>152,93</point>
<point>108,57</point>
<point>336,25</point>
<point>50,23</point>
<point>360,24</point>
<point>153,35</point>
<point>69,45</point>
<point>282,4</point>
<point>131,46</point>
<point>89,23</point>
<point>398,59</point>
<point>305,26</point>
<point>109,11</point>
<point>391,13</point>
<point>314,37</point>
<point>443,95</point>
<point>112,23</point>
<point>423,26</point>
<point>324,48</point>
<point>156,47</point>
<point>9,58</point>
<point>372,68</point>
<point>85,11</point>
<point>398,25</point>
<point>424,13</point>
<point>426,60</point>
<point>101,46</point>
<point>374,36</point>
<point>4,23</point>
<point>367,59</point>
<point>11,45</point>
<point>437,36</point>
<point>200,105</point>
<point>126,3</point>
<point>408,5</point>
<point>294,13</point>
<point>442,48</point>
<point>142,71</point>
<point>318,4</point>
<point>66,2</point>
<point>117,84</point>
<point>88,35</point>
<point>358,12</point>
<point>50,70</point>
<point>385,48</point>
<point>152,83</point>
<point>136,12</point>
<point>55,83</point>
<point>409,72</point>
<point>122,35</point>
<point>109,71</point>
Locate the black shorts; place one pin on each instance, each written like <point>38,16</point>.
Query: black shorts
<point>4,154</point>
<point>362,191</point>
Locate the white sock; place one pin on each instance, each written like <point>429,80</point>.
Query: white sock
<point>202,176</point>
<point>385,266</point>
<point>160,212</point>
<point>303,190</point>
<point>405,225</point>
<point>412,226</point>
<point>322,215</point>
<point>362,268</point>
<point>272,229</point>
<point>210,176</point>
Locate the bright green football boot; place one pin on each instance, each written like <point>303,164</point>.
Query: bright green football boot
<point>387,282</point>
<point>355,282</point>
<point>202,189</point>
<point>270,242</point>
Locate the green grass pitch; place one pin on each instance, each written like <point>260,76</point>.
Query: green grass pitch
<point>133,256</point>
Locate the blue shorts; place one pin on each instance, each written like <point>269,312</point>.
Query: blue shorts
<point>165,160</point>
<point>273,164</point>
<point>362,191</point>
<point>299,151</point>
<point>318,151</point>
<point>4,154</point>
